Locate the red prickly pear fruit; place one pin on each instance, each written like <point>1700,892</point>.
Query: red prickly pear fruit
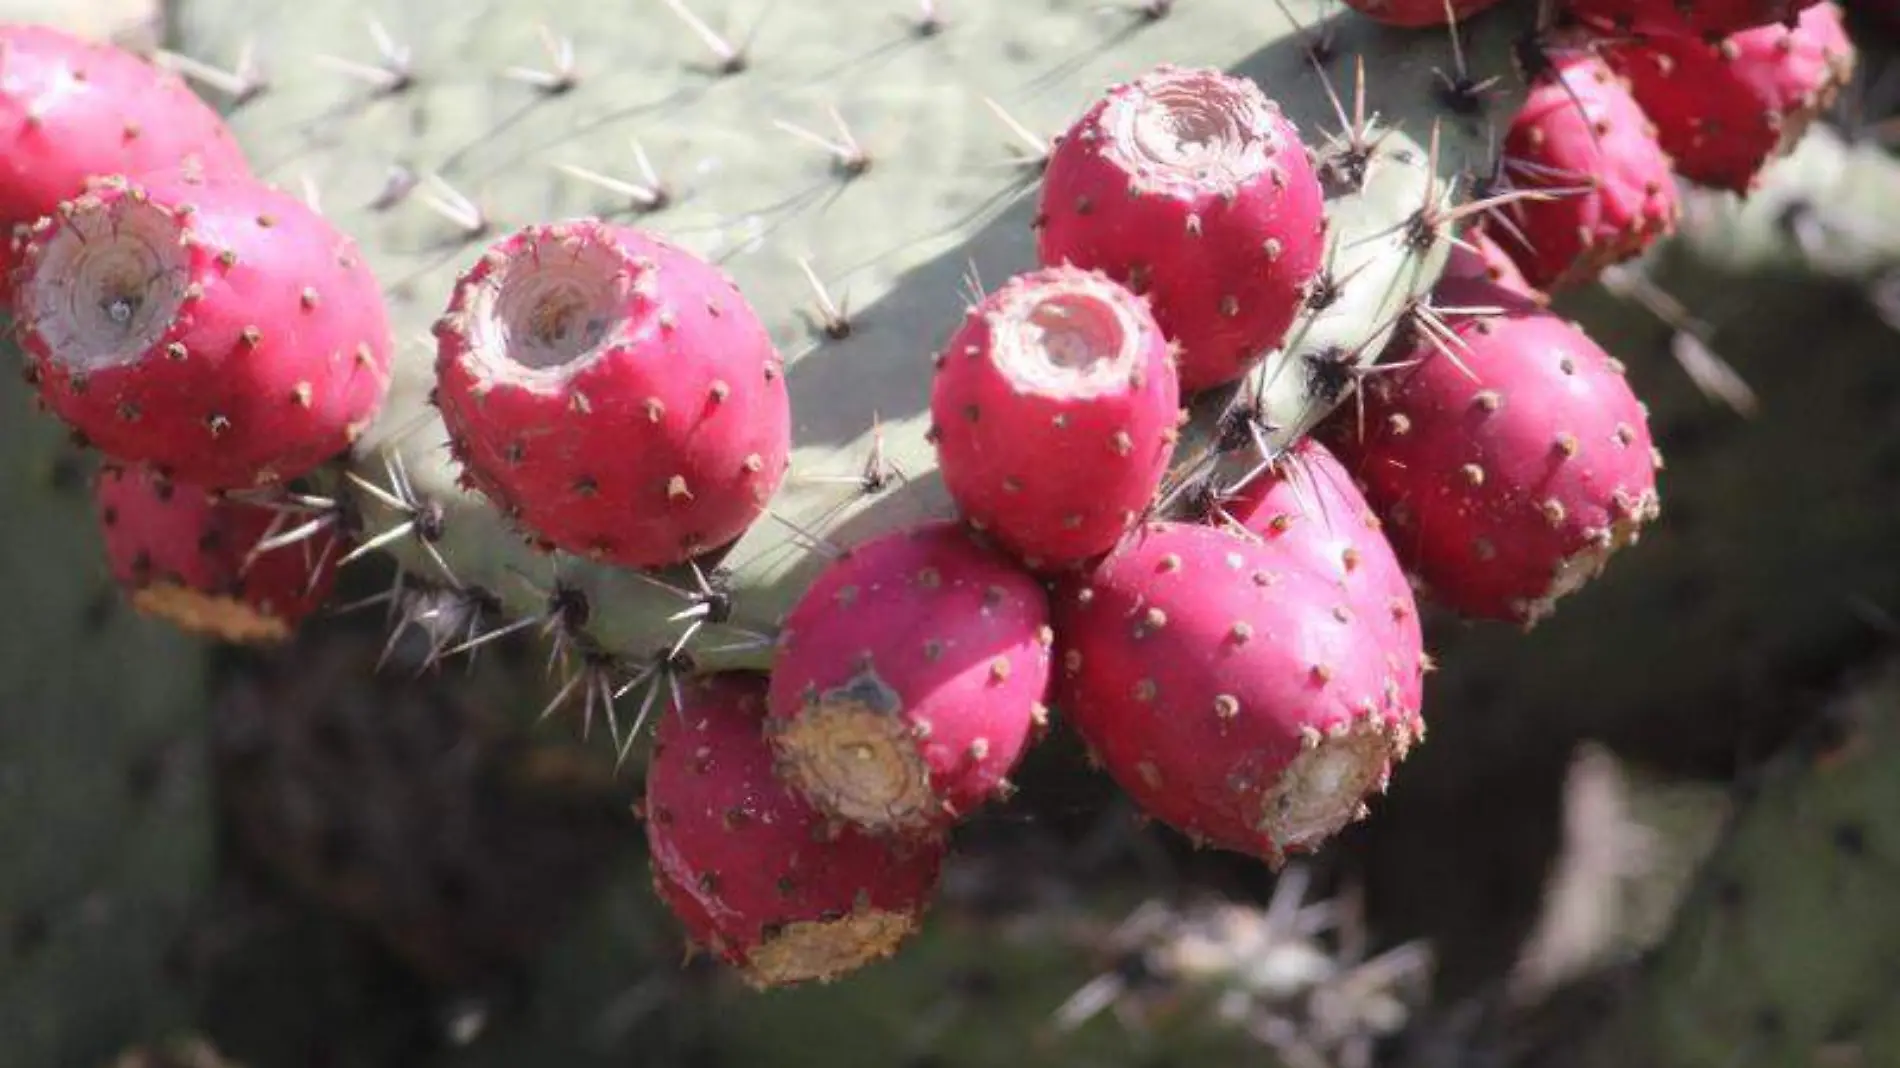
<point>1054,413</point>
<point>612,393</point>
<point>910,680</point>
<point>1707,19</point>
<point>1510,467</point>
<point>1723,110</point>
<point>197,559</point>
<point>1582,137</point>
<point>1229,687</point>
<point>1417,14</point>
<point>1479,256</point>
<point>75,109</point>
<point>755,874</point>
<point>1309,504</point>
<point>219,330</point>
<point>1191,187</point>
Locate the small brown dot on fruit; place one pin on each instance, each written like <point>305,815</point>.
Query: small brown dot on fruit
<point>1145,690</point>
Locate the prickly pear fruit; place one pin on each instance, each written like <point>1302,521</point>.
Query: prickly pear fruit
<point>1478,256</point>
<point>753,873</point>
<point>910,679</point>
<point>1582,136</point>
<point>1723,110</point>
<point>1309,502</point>
<point>1508,468</point>
<point>615,395</point>
<point>1414,14</point>
<point>1675,18</point>
<point>1054,411</point>
<point>74,109</point>
<point>219,329</point>
<point>1230,687</point>
<point>202,561</point>
<point>1191,187</point>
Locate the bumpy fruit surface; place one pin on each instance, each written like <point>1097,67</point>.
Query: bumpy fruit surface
<point>1309,503</point>
<point>1055,407</point>
<point>1417,13</point>
<point>1582,136</point>
<point>73,109</point>
<point>1191,187</point>
<point>910,679</point>
<point>197,559</point>
<point>1695,18</point>
<point>1511,486</point>
<point>755,875</point>
<point>612,393</point>
<point>1479,256</point>
<point>1723,110</point>
<point>1230,687</point>
<point>219,330</point>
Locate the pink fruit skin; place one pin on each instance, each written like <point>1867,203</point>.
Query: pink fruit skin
<point>933,647</point>
<point>182,553</point>
<point>1225,258</point>
<point>1311,505</point>
<point>1055,467</point>
<point>1415,14</point>
<point>745,865</point>
<point>664,444</point>
<point>1608,149</point>
<point>1698,18</point>
<point>1201,665</point>
<point>1505,492</point>
<point>1723,110</point>
<point>72,109</point>
<point>1486,260</point>
<point>276,359</point>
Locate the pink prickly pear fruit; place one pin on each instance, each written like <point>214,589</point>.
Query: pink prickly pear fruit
<point>1416,14</point>
<point>1229,686</point>
<point>1508,468</point>
<point>756,876</point>
<point>612,393</point>
<point>1708,19</point>
<point>1310,505</point>
<point>207,563</point>
<point>218,329</point>
<point>74,109</point>
<point>1723,110</point>
<point>1191,187</point>
<point>1581,137</point>
<point>1479,256</point>
<point>910,680</point>
<point>1054,412</point>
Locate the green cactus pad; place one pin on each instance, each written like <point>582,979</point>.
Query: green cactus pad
<point>103,799</point>
<point>941,207</point>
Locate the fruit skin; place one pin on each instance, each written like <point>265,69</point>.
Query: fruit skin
<point>1594,137</point>
<point>181,554</point>
<point>73,109</point>
<point>752,872</point>
<point>1698,18</point>
<point>1225,259</point>
<point>1225,683</point>
<point>1485,259</point>
<point>1055,469</point>
<point>1311,505</point>
<point>1415,14</point>
<point>662,441</point>
<point>920,660</point>
<point>1507,489</point>
<point>275,357</point>
<point>1723,110</point>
